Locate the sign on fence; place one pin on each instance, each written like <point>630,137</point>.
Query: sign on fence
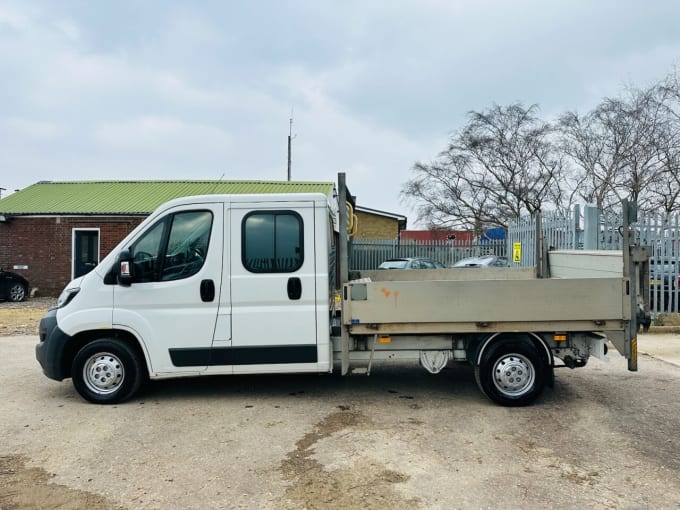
<point>517,252</point>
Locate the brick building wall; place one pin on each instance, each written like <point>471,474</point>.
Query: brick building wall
<point>44,244</point>
<point>372,226</point>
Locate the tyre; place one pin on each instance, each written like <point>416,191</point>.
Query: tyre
<point>512,372</point>
<point>17,292</point>
<point>107,371</point>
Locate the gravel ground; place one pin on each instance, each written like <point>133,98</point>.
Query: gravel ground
<point>402,438</point>
<point>24,317</point>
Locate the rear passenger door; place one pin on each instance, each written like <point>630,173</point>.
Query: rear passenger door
<point>273,285</point>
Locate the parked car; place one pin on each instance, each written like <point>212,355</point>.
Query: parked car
<point>411,263</point>
<point>483,261</point>
<point>13,286</point>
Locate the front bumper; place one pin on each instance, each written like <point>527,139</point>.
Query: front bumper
<point>50,349</point>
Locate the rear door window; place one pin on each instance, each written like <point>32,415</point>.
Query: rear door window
<point>272,242</point>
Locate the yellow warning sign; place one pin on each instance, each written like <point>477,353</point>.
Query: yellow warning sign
<point>517,252</point>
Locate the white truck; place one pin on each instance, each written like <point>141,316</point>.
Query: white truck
<point>255,284</point>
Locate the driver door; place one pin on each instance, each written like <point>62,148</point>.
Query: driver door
<point>172,302</point>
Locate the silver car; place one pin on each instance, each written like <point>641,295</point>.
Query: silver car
<point>411,263</point>
<point>483,261</point>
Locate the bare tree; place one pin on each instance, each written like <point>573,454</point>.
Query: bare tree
<point>445,197</point>
<point>502,164</point>
<point>596,145</point>
<point>664,190</point>
<point>613,148</point>
<point>506,161</point>
<point>646,117</point>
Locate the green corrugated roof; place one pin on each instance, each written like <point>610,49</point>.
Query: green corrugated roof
<point>134,197</point>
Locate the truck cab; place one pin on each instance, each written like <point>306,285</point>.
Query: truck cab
<point>217,284</point>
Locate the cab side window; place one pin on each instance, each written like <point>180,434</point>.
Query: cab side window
<point>272,242</point>
<point>173,249</point>
<point>146,254</point>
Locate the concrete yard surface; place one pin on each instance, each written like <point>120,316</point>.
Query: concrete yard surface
<point>664,346</point>
<point>603,437</point>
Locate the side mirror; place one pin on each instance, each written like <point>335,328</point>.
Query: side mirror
<point>125,268</point>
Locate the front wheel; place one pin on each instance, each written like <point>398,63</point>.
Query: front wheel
<point>107,371</point>
<point>512,372</point>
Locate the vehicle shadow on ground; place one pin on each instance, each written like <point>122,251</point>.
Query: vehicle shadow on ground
<point>404,382</point>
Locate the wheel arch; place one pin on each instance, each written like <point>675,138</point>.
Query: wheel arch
<point>534,338</point>
<point>83,338</point>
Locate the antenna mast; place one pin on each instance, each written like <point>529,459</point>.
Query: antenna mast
<point>290,136</point>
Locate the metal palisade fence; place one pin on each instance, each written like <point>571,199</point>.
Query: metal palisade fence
<point>367,254</point>
<point>570,231</point>
<point>576,229</point>
<point>662,234</point>
<point>601,231</point>
<point>560,231</point>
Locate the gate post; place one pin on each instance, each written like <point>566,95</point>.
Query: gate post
<point>576,225</point>
<point>591,228</point>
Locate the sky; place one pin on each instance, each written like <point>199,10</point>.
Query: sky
<point>147,90</point>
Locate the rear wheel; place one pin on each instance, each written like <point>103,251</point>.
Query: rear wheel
<point>512,372</point>
<point>107,371</point>
<point>17,292</point>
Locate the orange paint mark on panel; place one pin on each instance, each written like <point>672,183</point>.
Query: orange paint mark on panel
<point>385,292</point>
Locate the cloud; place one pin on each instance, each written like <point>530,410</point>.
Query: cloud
<point>30,128</point>
<point>69,29</point>
<point>13,19</point>
<point>175,90</point>
<point>164,137</point>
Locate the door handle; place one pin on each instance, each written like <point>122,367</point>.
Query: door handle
<point>294,288</point>
<point>207,291</point>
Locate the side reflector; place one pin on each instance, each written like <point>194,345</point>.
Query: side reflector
<point>633,360</point>
<point>385,339</point>
<point>560,338</point>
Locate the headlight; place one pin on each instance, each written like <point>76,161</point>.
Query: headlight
<point>67,296</point>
